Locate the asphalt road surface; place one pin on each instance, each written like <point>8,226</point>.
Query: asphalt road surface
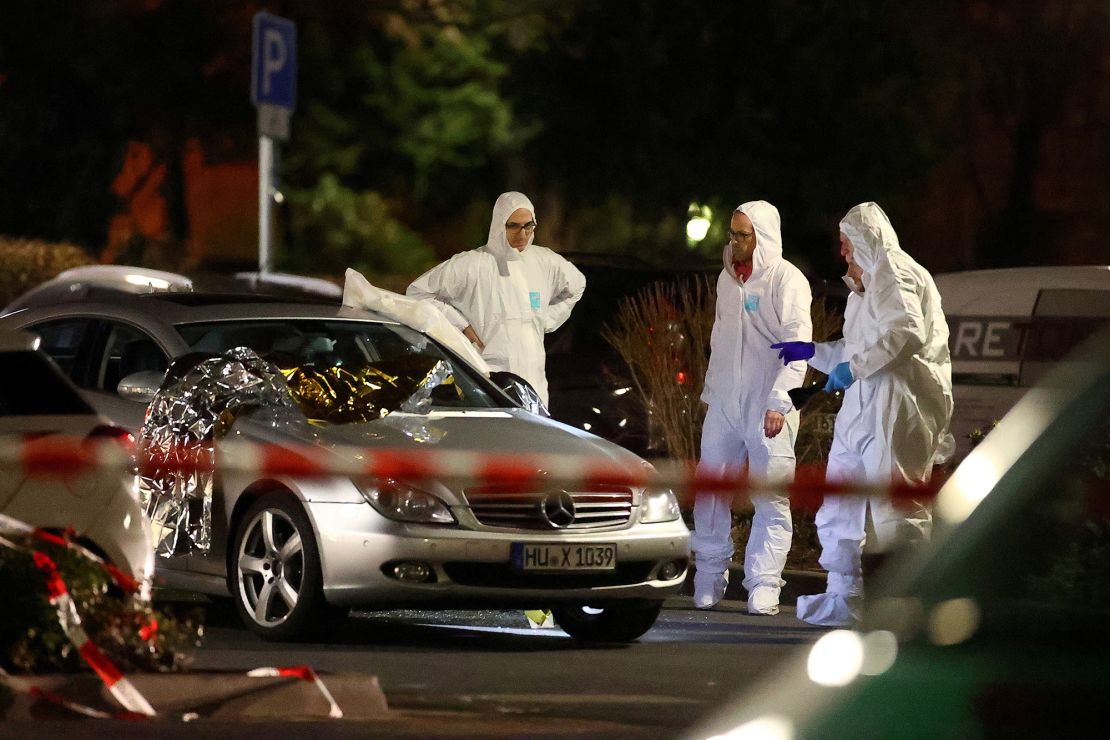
<point>491,665</point>
<point>467,673</point>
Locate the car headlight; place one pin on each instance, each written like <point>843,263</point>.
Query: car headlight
<point>404,503</point>
<point>659,505</point>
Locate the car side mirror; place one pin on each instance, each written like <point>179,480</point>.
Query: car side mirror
<point>141,386</point>
<point>520,391</point>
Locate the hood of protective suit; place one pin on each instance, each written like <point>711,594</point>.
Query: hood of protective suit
<point>498,242</point>
<point>868,229</point>
<point>768,237</point>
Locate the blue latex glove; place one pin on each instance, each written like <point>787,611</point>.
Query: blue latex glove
<point>791,351</point>
<point>840,378</point>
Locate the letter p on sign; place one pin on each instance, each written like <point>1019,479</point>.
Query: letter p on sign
<point>274,61</point>
<point>273,58</point>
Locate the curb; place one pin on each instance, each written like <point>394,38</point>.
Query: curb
<point>206,695</point>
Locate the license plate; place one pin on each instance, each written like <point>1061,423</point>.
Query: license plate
<point>533,557</point>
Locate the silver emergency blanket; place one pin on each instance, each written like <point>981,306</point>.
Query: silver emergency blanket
<point>199,402</point>
<point>518,389</point>
<point>193,408</point>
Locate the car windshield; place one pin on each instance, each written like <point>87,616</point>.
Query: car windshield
<point>321,344</point>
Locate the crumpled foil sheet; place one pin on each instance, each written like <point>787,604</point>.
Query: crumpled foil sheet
<point>518,389</point>
<point>199,402</point>
<point>195,406</point>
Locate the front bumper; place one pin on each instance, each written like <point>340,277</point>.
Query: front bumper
<point>472,568</point>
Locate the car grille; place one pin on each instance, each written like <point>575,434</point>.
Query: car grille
<point>603,506</point>
<point>502,575</point>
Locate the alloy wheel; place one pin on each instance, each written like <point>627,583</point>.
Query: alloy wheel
<point>271,567</point>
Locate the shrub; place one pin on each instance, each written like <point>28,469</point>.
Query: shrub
<point>662,334</point>
<point>24,263</point>
<point>134,635</point>
<point>818,414</point>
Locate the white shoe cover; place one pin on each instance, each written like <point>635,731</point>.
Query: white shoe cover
<point>709,588</point>
<point>764,600</point>
<point>829,610</point>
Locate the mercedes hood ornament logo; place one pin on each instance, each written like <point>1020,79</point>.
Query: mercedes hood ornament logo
<point>558,509</point>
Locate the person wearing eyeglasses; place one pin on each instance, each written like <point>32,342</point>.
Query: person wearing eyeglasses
<point>761,299</point>
<point>506,294</point>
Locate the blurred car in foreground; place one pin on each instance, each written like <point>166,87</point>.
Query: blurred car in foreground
<point>101,507</point>
<point>291,550</point>
<point>998,627</point>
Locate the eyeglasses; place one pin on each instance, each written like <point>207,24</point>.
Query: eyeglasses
<point>514,228</point>
<point>739,236</point>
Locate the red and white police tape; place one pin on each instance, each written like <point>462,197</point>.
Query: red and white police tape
<point>25,685</point>
<point>63,456</point>
<point>135,705</point>
<point>304,673</point>
<point>58,595</point>
<point>10,526</point>
<point>513,471</point>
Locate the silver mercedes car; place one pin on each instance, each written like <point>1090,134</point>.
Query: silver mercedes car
<point>294,552</point>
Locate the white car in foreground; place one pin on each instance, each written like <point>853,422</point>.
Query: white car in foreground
<point>101,507</point>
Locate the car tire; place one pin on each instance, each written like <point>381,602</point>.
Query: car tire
<point>618,621</point>
<point>275,572</point>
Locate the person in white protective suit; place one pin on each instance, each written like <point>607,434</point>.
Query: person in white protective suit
<point>760,297</point>
<point>893,423</point>
<point>507,293</point>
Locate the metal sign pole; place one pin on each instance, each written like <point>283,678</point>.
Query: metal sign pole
<point>273,92</point>
<point>265,203</point>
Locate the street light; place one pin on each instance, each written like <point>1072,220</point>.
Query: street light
<point>699,218</point>
<point>697,228</point>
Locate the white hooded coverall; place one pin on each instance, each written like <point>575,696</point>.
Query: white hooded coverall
<point>893,423</point>
<point>511,298</point>
<point>744,380</point>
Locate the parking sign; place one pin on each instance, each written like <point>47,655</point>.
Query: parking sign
<point>274,61</point>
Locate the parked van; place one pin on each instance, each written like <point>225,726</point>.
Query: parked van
<point>1007,327</point>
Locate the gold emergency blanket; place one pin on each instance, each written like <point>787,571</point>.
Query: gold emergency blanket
<point>338,395</point>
